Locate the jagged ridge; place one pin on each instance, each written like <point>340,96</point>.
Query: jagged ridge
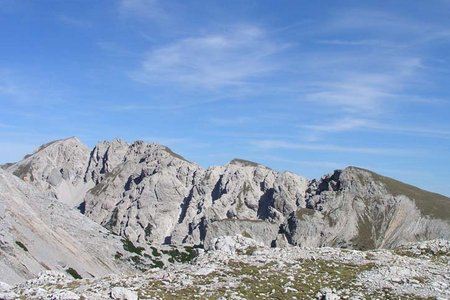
<point>147,193</point>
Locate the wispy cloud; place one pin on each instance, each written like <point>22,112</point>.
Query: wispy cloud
<point>346,124</point>
<point>280,144</point>
<point>356,124</point>
<point>215,60</point>
<point>369,61</point>
<point>356,42</point>
<point>361,82</point>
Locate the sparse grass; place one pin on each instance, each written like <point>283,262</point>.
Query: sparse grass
<point>246,234</point>
<point>438,256</point>
<point>248,251</point>
<point>429,203</point>
<point>301,280</point>
<point>22,170</point>
<point>365,238</point>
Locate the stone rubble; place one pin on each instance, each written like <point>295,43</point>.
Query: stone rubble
<point>290,273</point>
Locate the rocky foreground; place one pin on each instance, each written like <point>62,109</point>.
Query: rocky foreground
<point>241,268</point>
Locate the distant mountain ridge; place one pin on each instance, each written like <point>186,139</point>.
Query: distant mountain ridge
<point>147,193</point>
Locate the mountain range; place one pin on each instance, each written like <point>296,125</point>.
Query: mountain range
<point>68,207</point>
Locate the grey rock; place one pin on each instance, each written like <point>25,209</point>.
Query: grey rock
<point>327,294</point>
<point>233,244</point>
<point>57,168</point>
<point>4,287</point>
<point>150,194</point>
<point>8,295</point>
<point>65,295</point>
<point>121,293</point>
<point>356,208</point>
<point>38,232</point>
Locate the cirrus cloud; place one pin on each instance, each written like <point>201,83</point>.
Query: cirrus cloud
<point>232,58</point>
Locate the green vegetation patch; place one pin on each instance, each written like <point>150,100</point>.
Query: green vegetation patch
<point>168,150</point>
<point>118,255</point>
<point>130,247</point>
<point>186,256</point>
<point>155,252</point>
<point>73,273</point>
<point>247,163</point>
<point>23,170</point>
<point>21,245</point>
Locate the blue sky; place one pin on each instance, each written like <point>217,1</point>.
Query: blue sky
<point>296,85</point>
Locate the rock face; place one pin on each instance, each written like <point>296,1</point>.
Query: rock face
<point>57,168</point>
<point>356,208</point>
<point>145,192</point>
<point>38,233</point>
<point>148,194</point>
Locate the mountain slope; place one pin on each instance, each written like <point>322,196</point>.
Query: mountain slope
<point>357,208</point>
<point>57,168</point>
<point>38,233</point>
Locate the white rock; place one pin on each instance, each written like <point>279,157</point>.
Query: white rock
<point>65,295</point>
<point>4,287</point>
<point>232,244</point>
<point>121,293</point>
<point>8,295</point>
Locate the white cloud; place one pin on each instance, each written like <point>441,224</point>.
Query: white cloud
<point>353,124</point>
<point>356,42</point>
<point>362,83</point>
<point>346,124</point>
<point>232,58</point>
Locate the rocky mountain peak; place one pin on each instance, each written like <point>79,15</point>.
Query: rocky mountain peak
<point>147,193</point>
<point>57,167</point>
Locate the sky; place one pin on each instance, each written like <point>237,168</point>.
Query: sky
<point>302,86</point>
